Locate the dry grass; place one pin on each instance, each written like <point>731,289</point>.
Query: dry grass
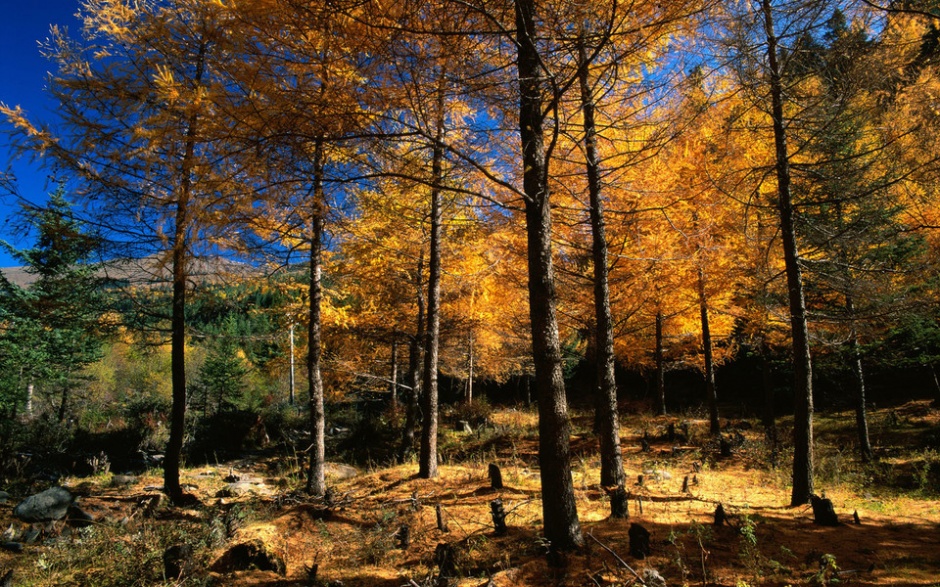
<point>766,543</point>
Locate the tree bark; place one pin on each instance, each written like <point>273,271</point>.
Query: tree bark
<point>427,466</point>
<point>470,368</point>
<point>393,376</point>
<point>607,415</point>
<point>802,363</point>
<point>179,256</point>
<point>415,361</point>
<point>861,410</point>
<point>316,482</point>
<point>711,392</point>
<point>660,367</point>
<point>769,417</point>
<point>560,516</point>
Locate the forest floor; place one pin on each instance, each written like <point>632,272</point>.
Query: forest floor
<point>354,539</point>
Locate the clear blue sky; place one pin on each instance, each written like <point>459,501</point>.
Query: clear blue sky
<point>23,23</point>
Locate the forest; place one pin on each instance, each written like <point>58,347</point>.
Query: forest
<point>448,292</point>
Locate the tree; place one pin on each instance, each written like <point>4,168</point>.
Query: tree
<point>140,132</point>
<point>53,326</point>
<point>562,528</point>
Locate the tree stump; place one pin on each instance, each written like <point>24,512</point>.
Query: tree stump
<point>441,522</point>
<point>856,518</point>
<point>724,447</point>
<point>823,512</point>
<point>444,559</point>
<point>404,536</point>
<point>639,541</point>
<point>496,478</point>
<point>177,560</point>
<point>639,480</point>
<point>618,503</point>
<point>671,432</point>
<point>499,516</point>
<point>685,484</point>
<point>720,516</point>
<point>644,445</point>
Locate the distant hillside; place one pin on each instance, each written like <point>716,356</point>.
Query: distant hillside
<point>153,271</point>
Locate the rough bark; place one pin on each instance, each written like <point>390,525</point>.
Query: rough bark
<point>607,416</point>
<point>660,367</point>
<point>415,361</point>
<point>560,516</point>
<point>316,483</point>
<point>802,365</point>
<point>427,466</point>
<point>393,376</point>
<point>179,258</point>
<point>711,393</point>
<point>861,410</point>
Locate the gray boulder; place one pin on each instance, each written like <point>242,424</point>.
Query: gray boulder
<point>47,506</point>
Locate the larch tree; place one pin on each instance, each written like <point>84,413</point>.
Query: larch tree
<point>139,131</point>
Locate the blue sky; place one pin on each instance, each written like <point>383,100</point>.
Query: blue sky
<point>22,78</point>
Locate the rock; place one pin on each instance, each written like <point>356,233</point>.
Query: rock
<point>78,517</point>
<point>4,496</point>
<point>244,487</point>
<point>51,504</point>
<point>652,578</point>
<point>248,556</point>
<point>118,480</point>
<point>340,471</point>
<point>31,535</point>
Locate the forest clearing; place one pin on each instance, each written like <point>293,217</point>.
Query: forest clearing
<point>353,537</point>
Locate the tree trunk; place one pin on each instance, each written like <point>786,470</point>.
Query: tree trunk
<point>63,401</point>
<point>607,415</point>
<point>415,361</point>
<point>292,380</point>
<point>470,368</point>
<point>861,411</point>
<point>769,417</point>
<point>802,365</point>
<point>316,482</point>
<point>180,253</point>
<point>30,389</point>
<point>427,466</point>
<point>559,511</point>
<point>711,392</point>
<point>393,385</point>
<point>660,367</point>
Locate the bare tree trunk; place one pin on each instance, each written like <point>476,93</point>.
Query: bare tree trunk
<point>181,237</point>
<point>470,368</point>
<point>415,361</point>
<point>607,416</point>
<point>861,410</point>
<point>427,466</point>
<point>802,363</point>
<point>559,511</point>
<point>293,385</point>
<point>316,481</point>
<point>711,392</point>
<point>63,401</point>
<point>30,390</point>
<point>769,417</point>
<point>660,367</point>
<point>393,386</point>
